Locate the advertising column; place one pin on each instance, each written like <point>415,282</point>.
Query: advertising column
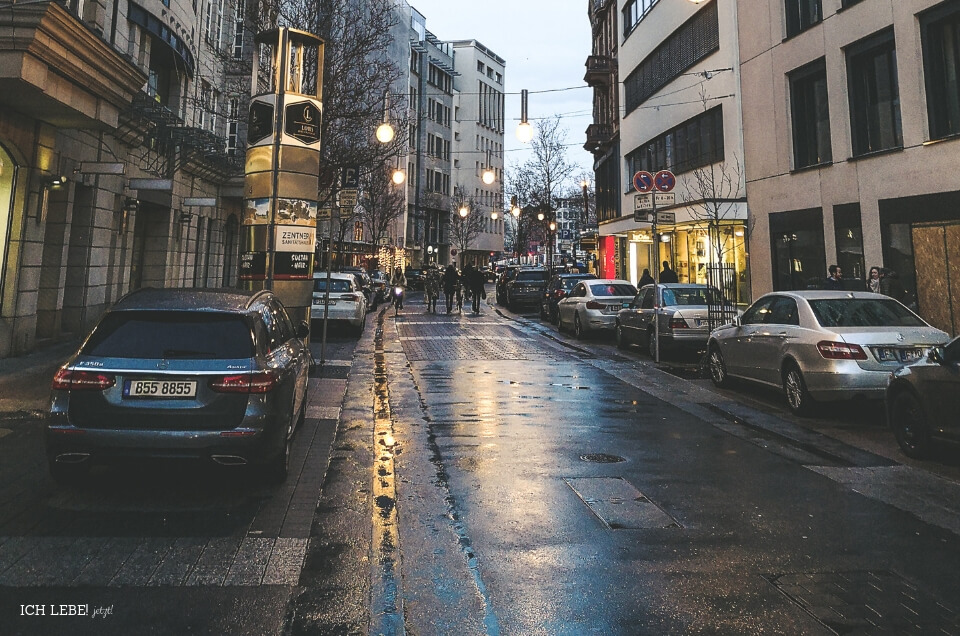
<point>282,168</point>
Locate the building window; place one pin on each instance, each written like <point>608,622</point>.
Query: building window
<point>799,260</point>
<point>697,38</point>
<point>811,115</point>
<point>801,15</point>
<point>695,143</point>
<point>874,94</point>
<point>233,127</point>
<point>848,232</point>
<point>633,12</point>
<point>203,118</point>
<point>238,18</point>
<point>940,31</point>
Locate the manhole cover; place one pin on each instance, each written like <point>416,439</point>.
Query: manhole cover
<point>602,458</point>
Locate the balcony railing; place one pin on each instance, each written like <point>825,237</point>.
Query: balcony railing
<point>597,136</point>
<point>599,70</point>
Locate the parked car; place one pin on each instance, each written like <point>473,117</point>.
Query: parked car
<point>820,345</point>
<point>593,305</point>
<point>488,274</point>
<point>381,286</point>
<point>526,287</point>
<point>345,300</point>
<point>557,289</point>
<point>923,400</point>
<point>215,375</point>
<point>365,283</point>
<point>683,312</point>
<point>415,278</point>
<point>506,275</point>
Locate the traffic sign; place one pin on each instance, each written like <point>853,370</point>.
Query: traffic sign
<point>643,181</point>
<point>665,199</point>
<point>643,202</point>
<point>348,198</point>
<point>669,218</point>
<point>664,181</point>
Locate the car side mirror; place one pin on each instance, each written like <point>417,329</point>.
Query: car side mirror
<point>736,321</point>
<point>303,329</point>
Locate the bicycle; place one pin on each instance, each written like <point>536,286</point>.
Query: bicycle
<point>397,300</point>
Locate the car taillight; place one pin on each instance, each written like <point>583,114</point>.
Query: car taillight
<point>840,351</point>
<point>72,380</point>
<point>678,323</point>
<point>595,305</point>
<point>559,293</point>
<point>258,382</point>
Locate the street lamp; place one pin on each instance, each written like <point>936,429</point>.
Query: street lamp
<point>494,215</point>
<point>464,211</point>
<point>524,130</point>
<point>488,176</point>
<point>385,131</point>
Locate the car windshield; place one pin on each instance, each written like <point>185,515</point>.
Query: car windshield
<point>170,334</point>
<point>691,296</point>
<point>531,276</point>
<point>613,289</point>
<point>863,312</point>
<point>337,285</point>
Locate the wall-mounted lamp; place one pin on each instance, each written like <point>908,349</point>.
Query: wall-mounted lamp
<point>524,130</point>
<point>664,238</point>
<point>55,182</point>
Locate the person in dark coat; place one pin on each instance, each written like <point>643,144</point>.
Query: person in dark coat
<point>891,286</point>
<point>646,279</point>
<point>451,283</point>
<point>475,281</point>
<point>668,275</point>
<point>833,280</point>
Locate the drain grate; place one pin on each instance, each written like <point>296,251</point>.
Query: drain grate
<point>867,601</point>
<point>602,458</point>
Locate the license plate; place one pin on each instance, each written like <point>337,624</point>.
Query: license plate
<point>699,322</point>
<point>321,302</point>
<point>159,389</point>
<point>893,354</point>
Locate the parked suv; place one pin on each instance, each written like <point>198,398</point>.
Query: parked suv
<point>557,289</point>
<point>207,374</point>
<point>526,287</point>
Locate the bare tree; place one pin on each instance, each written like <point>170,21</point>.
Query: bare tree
<point>464,229</point>
<point>383,203</point>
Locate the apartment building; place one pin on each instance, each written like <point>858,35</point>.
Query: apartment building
<point>851,119</point>
<point>478,144</point>
<point>679,110</point>
<point>120,157</point>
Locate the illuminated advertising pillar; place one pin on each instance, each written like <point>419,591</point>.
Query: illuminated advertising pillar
<point>282,167</point>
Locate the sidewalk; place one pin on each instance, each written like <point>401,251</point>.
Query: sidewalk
<point>25,380</point>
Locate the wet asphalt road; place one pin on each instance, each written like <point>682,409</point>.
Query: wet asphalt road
<point>484,475</point>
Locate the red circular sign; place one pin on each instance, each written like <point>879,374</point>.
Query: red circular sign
<point>664,181</point>
<point>643,181</point>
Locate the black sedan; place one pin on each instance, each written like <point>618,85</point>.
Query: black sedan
<point>923,400</point>
<point>557,289</point>
<point>214,375</point>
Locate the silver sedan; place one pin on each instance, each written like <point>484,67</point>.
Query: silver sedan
<point>820,345</point>
<point>593,305</point>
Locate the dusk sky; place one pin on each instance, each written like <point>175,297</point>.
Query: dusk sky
<point>545,45</point>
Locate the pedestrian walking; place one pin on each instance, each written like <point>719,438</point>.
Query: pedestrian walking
<point>834,278</point>
<point>873,282</point>
<point>431,287</point>
<point>451,285</point>
<point>476,283</point>
<point>667,275</point>
<point>646,279</point>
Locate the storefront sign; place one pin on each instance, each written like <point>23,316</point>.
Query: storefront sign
<point>293,266</point>
<point>295,238</point>
<point>253,266</point>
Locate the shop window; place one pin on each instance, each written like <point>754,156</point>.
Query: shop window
<point>811,115</point>
<point>940,31</point>
<point>874,94</point>
<point>799,260</point>
<point>848,232</point>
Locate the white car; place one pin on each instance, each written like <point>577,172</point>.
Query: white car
<point>345,301</point>
<point>593,305</point>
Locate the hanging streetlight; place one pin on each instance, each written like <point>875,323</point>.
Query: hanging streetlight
<point>398,176</point>
<point>385,131</point>
<point>524,130</point>
<point>494,215</point>
<point>514,208</point>
<point>488,175</point>
<point>464,211</point>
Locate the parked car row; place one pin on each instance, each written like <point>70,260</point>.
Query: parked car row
<point>813,345</point>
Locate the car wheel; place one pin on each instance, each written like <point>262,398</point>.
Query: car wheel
<point>718,368</point>
<point>909,424</point>
<point>578,327</point>
<point>622,341</point>
<point>795,390</point>
<point>67,474</point>
<point>275,470</point>
<point>559,322</point>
